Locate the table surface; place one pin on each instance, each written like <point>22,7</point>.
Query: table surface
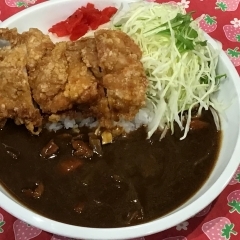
<point>220,18</point>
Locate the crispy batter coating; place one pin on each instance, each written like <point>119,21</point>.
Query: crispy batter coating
<point>15,95</point>
<point>82,85</point>
<point>100,109</point>
<point>101,76</point>
<point>10,35</point>
<point>125,81</point>
<point>38,45</point>
<point>62,80</point>
<point>126,91</point>
<point>89,55</point>
<point>50,79</point>
<point>116,50</point>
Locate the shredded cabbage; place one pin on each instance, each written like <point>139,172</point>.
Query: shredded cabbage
<point>179,64</point>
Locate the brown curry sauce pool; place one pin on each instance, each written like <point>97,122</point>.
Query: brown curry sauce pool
<point>135,181</point>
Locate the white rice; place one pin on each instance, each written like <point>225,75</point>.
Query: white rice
<point>143,117</point>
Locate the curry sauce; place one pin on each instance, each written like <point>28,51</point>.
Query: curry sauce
<point>135,180</point>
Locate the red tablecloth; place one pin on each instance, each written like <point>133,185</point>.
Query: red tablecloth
<point>221,219</point>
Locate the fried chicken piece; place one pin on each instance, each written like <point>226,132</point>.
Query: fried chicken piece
<point>10,35</point>
<point>100,109</point>
<point>49,81</point>
<point>116,50</point>
<point>89,55</point>
<point>126,91</point>
<point>62,80</point>
<point>125,82</point>
<point>82,85</point>
<point>15,95</point>
<point>38,45</point>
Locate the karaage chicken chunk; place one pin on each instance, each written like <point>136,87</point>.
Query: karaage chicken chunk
<point>82,85</point>
<point>116,50</point>
<point>15,95</point>
<point>50,79</point>
<point>62,80</point>
<point>37,44</point>
<point>100,109</point>
<point>125,81</point>
<point>126,91</point>
<point>89,55</point>
<point>10,35</point>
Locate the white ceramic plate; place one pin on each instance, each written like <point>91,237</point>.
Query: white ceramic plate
<point>44,15</point>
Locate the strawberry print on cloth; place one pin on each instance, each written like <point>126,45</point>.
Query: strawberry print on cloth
<point>219,228</point>
<point>234,201</point>
<point>234,55</point>
<point>1,223</point>
<point>19,3</point>
<point>236,177</point>
<point>232,31</point>
<point>24,231</point>
<point>228,5</point>
<point>11,7</point>
<point>208,23</point>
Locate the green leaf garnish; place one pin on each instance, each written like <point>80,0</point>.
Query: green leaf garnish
<point>185,35</point>
<point>221,76</point>
<point>205,80</point>
<point>203,43</point>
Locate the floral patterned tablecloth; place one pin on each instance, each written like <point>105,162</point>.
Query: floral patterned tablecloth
<point>221,219</point>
